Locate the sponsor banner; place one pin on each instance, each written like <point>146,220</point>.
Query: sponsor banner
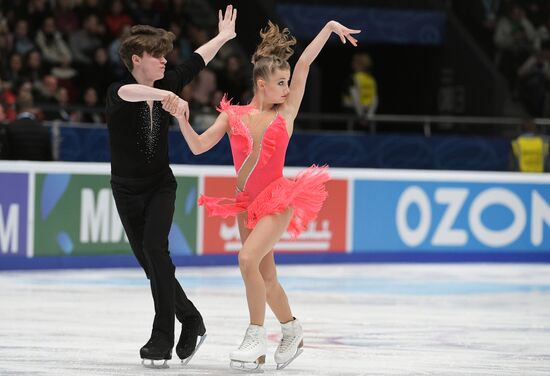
<point>14,188</point>
<point>326,234</point>
<point>76,215</point>
<point>451,216</point>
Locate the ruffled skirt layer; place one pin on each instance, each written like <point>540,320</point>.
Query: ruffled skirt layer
<point>305,194</point>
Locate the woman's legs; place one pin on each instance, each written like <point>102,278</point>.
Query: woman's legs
<point>259,242</point>
<point>275,294</point>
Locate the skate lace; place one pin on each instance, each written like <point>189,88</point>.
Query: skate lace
<point>249,342</point>
<point>286,342</point>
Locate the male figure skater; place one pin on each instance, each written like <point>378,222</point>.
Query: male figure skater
<point>141,179</point>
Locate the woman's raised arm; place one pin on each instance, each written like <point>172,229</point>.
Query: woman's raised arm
<point>301,70</point>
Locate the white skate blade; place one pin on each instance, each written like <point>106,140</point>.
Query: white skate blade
<point>150,363</point>
<point>283,365</point>
<point>251,367</point>
<point>188,359</point>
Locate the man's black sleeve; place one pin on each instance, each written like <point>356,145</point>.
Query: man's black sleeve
<point>184,73</point>
<point>112,100</point>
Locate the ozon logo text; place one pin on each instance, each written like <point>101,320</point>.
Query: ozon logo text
<point>447,233</point>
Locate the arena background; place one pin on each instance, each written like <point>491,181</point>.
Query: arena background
<point>445,104</point>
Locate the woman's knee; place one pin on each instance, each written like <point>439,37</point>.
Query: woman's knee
<point>247,262</point>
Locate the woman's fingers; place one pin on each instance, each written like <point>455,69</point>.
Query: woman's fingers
<point>342,38</point>
<point>352,40</point>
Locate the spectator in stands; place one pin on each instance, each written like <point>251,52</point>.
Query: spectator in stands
<point>85,41</point>
<point>117,18</point>
<point>534,81</point>
<point>117,66</point>
<point>3,141</point>
<point>52,45</point>
<point>3,118</point>
<point>88,7</point>
<point>46,96</point>
<point>26,137</point>
<point>530,149</point>
<point>205,86</point>
<point>6,42</point>
<point>99,74</point>
<point>149,12</point>
<point>182,44</point>
<point>22,42</point>
<point>34,69</point>
<point>534,11</point>
<point>14,71</point>
<point>361,93</point>
<point>66,18</point>
<point>92,112</point>
<point>8,100</point>
<point>233,79</point>
<point>36,11</point>
<point>515,39</point>
<point>481,16</point>
<point>63,113</point>
<point>543,32</point>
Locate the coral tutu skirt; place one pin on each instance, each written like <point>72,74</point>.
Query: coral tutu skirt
<point>305,194</point>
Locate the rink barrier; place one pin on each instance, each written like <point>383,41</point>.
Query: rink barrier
<point>62,215</point>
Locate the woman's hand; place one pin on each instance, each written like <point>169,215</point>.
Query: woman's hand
<point>176,106</point>
<point>226,23</point>
<point>343,32</point>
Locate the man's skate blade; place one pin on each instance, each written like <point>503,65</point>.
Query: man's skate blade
<point>283,365</point>
<point>188,359</point>
<point>251,367</point>
<point>150,363</point>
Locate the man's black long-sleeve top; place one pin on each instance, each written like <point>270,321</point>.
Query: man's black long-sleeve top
<point>139,137</point>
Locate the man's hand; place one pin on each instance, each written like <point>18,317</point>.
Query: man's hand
<point>226,23</point>
<point>176,106</point>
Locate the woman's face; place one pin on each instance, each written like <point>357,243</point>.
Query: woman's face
<point>275,88</point>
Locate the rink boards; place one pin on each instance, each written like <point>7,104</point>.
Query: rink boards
<point>63,215</point>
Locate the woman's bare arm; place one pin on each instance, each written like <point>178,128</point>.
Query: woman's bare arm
<point>197,143</point>
<point>301,70</point>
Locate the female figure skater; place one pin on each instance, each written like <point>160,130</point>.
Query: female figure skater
<point>266,203</point>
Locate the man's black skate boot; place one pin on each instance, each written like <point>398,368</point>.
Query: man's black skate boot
<point>157,348</point>
<point>192,327</point>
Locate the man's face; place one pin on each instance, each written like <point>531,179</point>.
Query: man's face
<point>150,67</point>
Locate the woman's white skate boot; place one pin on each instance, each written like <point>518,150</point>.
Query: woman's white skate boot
<point>291,345</point>
<point>250,356</point>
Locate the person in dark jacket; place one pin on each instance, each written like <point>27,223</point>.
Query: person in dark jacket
<point>26,137</point>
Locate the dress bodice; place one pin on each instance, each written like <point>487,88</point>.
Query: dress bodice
<point>258,154</point>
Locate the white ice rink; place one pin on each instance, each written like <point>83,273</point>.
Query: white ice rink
<point>370,319</point>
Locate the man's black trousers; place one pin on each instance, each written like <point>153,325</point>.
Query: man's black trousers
<point>146,208</point>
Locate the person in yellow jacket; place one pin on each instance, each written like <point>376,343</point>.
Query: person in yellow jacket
<point>530,149</point>
<point>361,93</point>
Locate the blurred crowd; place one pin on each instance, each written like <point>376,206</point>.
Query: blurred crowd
<point>516,35</point>
<point>63,54</point>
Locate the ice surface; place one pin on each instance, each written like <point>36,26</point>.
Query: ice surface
<point>362,319</point>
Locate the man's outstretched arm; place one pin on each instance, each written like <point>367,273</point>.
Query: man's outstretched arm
<point>226,28</point>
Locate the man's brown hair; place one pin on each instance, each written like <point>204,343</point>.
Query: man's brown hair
<point>143,38</point>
